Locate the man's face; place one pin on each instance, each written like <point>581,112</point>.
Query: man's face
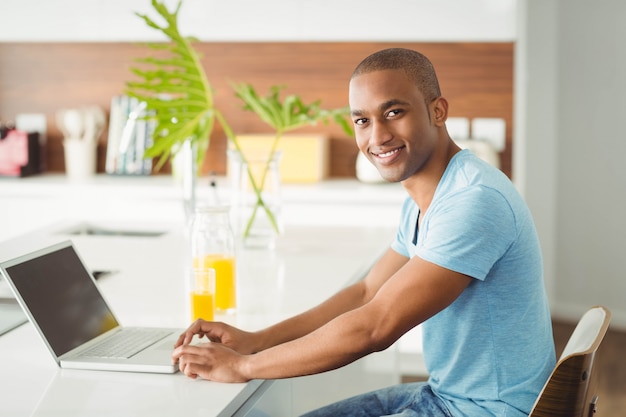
<point>393,125</point>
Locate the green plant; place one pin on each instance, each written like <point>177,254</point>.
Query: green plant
<point>175,89</point>
<point>283,117</point>
<point>179,98</point>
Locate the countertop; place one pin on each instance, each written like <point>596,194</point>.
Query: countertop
<point>333,232</point>
<point>146,289</point>
<point>31,203</point>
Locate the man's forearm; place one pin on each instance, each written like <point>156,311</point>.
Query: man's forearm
<point>338,342</point>
<point>295,327</point>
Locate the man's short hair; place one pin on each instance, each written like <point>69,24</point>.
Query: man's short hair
<point>417,67</point>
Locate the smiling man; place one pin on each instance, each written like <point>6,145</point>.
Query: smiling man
<point>466,263</point>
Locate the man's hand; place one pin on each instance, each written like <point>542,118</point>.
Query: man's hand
<point>235,339</point>
<point>211,361</point>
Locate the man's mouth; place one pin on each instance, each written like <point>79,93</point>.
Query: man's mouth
<point>388,153</point>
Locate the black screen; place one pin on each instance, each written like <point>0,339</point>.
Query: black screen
<point>62,298</point>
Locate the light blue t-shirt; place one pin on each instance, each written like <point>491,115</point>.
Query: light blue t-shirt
<point>490,352</point>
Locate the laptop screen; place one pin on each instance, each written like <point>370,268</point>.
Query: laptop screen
<point>62,298</point>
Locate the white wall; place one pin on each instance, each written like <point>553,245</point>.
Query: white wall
<point>252,20</point>
<point>573,177</point>
<point>535,144</point>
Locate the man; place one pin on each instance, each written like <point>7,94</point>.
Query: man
<point>466,262</point>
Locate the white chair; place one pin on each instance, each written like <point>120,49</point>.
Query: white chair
<point>566,393</point>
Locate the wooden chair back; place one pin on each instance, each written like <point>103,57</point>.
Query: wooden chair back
<point>566,393</point>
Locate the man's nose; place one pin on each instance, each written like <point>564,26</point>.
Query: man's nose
<point>380,134</point>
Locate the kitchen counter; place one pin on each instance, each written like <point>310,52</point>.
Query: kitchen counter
<point>145,289</point>
<point>33,202</point>
<point>334,230</point>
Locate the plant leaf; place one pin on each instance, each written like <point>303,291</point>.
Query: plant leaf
<point>291,113</point>
<point>175,89</point>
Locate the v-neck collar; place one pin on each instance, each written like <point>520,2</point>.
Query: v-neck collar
<point>417,222</point>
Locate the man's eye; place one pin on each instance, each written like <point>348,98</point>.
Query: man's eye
<point>360,121</point>
<point>393,113</point>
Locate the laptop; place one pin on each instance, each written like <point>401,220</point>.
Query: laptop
<point>60,297</point>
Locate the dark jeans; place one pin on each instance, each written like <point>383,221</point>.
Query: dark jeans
<point>406,400</point>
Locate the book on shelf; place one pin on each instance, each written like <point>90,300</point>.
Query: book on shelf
<point>130,134</point>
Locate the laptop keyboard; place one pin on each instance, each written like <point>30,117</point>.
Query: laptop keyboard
<point>126,343</point>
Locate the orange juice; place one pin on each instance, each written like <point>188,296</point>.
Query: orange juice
<point>201,306</point>
<point>225,287</point>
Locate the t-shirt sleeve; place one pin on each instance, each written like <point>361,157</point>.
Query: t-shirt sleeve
<point>468,231</point>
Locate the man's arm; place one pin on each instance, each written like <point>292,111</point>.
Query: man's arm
<point>350,298</point>
<point>414,293</point>
<point>332,334</point>
<point>347,299</point>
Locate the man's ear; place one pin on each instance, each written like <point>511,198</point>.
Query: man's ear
<point>440,111</point>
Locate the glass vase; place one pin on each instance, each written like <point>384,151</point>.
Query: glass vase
<point>185,171</point>
<point>256,199</point>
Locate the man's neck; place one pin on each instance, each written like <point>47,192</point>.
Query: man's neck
<point>422,186</point>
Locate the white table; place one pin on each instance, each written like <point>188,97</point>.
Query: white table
<point>309,264</point>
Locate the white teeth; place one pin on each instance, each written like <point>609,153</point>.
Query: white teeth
<point>386,154</point>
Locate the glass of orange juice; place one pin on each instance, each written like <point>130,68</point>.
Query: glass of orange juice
<point>202,293</point>
<point>225,285</point>
<point>213,246</point>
